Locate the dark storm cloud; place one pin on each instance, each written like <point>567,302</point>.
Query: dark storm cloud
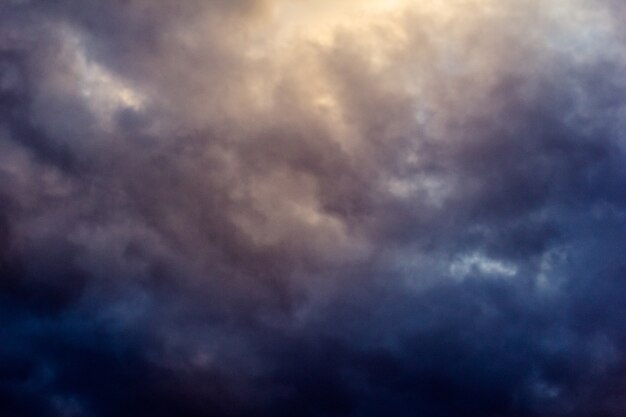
<point>197,221</point>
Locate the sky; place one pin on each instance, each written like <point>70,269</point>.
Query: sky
<point>330,208</point>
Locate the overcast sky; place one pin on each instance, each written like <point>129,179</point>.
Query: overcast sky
<point>330,208</point>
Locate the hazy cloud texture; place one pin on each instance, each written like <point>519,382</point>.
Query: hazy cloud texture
<point>333,208</point>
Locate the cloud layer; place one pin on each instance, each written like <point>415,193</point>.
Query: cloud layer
<point>274,208</point>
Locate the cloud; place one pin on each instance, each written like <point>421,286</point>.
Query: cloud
<point>273,208</point>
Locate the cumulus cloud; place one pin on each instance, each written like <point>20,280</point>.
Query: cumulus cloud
<point>251,207</point>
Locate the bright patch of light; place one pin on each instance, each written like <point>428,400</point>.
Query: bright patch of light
<point>478,264</point>
<point>104,92</point>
